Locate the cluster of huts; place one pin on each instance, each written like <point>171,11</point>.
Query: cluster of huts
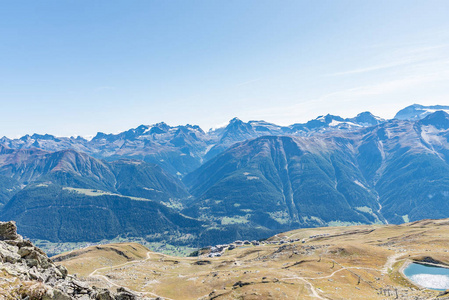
<point>218,250</point>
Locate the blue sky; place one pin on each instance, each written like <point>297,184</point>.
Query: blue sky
<point>78,67</point>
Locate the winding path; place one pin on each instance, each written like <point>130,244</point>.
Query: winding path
<point>92,274</point>
<point>389,263</point>
<point>312,288</point>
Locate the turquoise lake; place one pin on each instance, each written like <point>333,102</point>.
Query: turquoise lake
<point>428,276</point>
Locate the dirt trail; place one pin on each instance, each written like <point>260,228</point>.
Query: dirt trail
<point>390,262</point>
<point>312,288</point>
<point>121,265</point>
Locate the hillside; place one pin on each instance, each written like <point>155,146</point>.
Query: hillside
<point>94,257</point>
<point>78,170</point>
<point>68,196</point>
<point>283,182</point>
<point>393,172</point>
<point>356,262</point>
<point>61,214</point>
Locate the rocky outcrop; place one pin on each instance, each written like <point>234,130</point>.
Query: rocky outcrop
<point>8,231</point>
<point>30,274</point>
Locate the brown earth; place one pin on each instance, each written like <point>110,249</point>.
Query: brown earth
<point>357,262</point>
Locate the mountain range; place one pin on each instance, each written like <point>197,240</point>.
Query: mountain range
<point>245,180</point>
<point>181,149</point>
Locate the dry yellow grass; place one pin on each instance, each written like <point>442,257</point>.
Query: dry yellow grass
<point>84,261</point>
<point>358,262</point>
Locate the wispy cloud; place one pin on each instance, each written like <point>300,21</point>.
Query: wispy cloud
<point>401,58</point>
<point>390,86</point>
<point>384,96</point>
<point>386,87</point>
<point>248,82</point>
<point>375,68</point>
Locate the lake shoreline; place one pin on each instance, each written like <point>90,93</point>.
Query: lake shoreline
<point>408,262</point>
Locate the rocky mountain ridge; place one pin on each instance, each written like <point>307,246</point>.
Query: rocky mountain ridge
<point>181,149</point>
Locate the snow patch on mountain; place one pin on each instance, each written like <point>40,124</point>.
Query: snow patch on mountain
<point>418,112</point>
<point>360,184</point>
